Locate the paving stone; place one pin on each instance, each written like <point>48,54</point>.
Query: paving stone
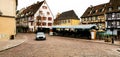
<point>56,46</point>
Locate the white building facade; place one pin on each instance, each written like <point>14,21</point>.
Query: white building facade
<point>37,16</point>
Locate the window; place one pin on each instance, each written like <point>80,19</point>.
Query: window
<point>109,23</point>
<point>118,7</point>
<point>109,15</point>
<point>48,13</point>
<point>62,21</point>
<point>38,23</point>
<point>100,10</point>
<point>44,7</point>
<point>110,9</point>
<point>96,11</point>
<point>31,23</point>
<point>68,21</point>
<point>49,24</point>
<point>118,23</point>
<point>40,12</point>
<point>38,18</point>
<point>49,18</point>
<point>89,18</point>
<point>113,15</point>
<point>118,15</point>
<point>88,12</point>
<point>44,18</point>
<point>93,12</point>
<point>44,24</point>
<point>96,18</point>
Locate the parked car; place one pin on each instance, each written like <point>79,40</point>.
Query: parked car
<point>40,36</point>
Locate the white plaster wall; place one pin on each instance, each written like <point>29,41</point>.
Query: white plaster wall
<point>45,15</point>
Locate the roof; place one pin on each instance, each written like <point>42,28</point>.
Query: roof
<point>114,4</point>
<point>33,8</point>
<point>77,26</point>
<point>95,10</point>
<point>102,9</point>
<point>68,15</point>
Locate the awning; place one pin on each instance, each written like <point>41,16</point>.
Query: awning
<point>77,26</point>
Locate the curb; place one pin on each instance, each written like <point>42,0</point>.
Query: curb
<point>15,45</point>
<point>106,43</point>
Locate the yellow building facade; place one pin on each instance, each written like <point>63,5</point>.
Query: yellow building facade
<point>68,18</point>
<point>71,22</point>
<point>7,19</point>
<point>95,15</point>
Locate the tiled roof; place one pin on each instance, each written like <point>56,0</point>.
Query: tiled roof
<point>95,10</point>
<point>102,9</point>
<point>33,8</point>
<point>114,4</point>
<point>68,15</point>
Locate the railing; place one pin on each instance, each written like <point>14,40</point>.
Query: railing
<point>109,18</point>
<point>113,19</point>
<point>118,18</point>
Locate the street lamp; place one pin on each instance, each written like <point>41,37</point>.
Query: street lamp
<point>112,29</point>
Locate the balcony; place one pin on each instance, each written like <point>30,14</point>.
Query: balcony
<point>113,19</point>
<point>118,18</point>
<point>109,19</point>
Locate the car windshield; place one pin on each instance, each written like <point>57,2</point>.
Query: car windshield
<point>40,33</point>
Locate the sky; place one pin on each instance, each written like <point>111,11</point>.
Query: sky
<point>79,6</point>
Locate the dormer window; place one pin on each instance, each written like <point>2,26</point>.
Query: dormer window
<point>48,13</point>
<point>118,7</point>
<point>96,10</point>
<point>44,7</point>
<point>93,12</point>
<point>88,12</point>
<point>100,10</point>
<point>110,9</point>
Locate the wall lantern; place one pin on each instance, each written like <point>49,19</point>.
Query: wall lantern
<point>0,13</point>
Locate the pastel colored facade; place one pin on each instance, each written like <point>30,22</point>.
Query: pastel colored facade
<point>68,18</point>
<point>7,18</point>
<point>95,15</point>
<point>36,16</point>
<point>105,16</point>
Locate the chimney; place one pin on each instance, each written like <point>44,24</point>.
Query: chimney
<point>38,2</point>
<point>91,6</point>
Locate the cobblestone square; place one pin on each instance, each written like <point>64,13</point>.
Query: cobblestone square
<point>56,46</point>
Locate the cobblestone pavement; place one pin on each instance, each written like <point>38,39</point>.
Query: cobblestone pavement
<point>56,46</point>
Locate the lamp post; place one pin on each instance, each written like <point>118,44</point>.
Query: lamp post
<point>112,29</point>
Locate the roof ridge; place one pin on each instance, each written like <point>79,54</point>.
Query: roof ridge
<point>68,15</point>
<point>33,8</point>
